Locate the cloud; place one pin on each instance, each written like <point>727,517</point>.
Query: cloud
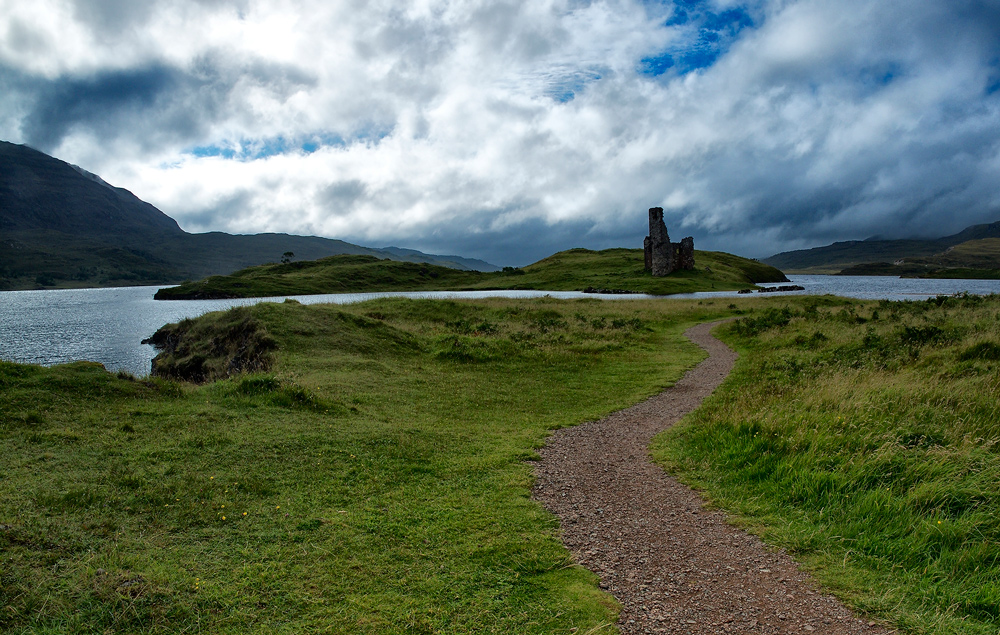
<point>508,130</point>
<point>101,103</point>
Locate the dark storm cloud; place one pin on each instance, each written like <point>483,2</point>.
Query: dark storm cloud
<point>103,102</point>
<point>150,105</point>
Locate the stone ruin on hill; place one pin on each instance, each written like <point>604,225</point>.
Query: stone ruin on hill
<point>662,256</point>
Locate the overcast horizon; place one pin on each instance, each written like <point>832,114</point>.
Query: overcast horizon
<point>509,131</point>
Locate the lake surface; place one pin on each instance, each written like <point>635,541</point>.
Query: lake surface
<point>108,325</point>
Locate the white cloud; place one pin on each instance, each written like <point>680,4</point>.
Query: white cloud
<point>453,121</point>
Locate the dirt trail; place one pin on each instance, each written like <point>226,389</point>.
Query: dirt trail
<point>674,566</point>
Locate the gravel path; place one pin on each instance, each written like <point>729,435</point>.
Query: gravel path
<point>674,566</point>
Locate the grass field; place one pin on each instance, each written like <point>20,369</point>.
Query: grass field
<point>372,475</point>
<point>864,438</point>
<point>373,479</point>
<point>572,270</point>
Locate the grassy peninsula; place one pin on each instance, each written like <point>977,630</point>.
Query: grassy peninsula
<point>863,437</point>
<point>365,469</point>
<point>370,475</point>
<point>572,270</point>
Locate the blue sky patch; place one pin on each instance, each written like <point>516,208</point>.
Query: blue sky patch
<point>245,149</point>
<point>993,81</point>
<point>658,64</point>
<point>253,149</point>
<point>706,36</point>
<point>565,87</point>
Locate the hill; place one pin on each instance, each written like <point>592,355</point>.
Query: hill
<point>61,226</point>
<point>840,256</point>
<point>971,259</point>
<point>617,270</point>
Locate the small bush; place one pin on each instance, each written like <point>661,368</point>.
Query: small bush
<point>921,335</point>
<point>813,341</point>
<point>634,323</point>
<point>771,318</point>
<point>986,351</point>
<point>209,349</point>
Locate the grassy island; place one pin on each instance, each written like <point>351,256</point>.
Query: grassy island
<point>616,270</point>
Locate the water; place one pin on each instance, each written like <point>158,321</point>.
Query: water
<point>886,288</point>
<point>107,325</point>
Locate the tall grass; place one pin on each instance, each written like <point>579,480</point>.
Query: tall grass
<point>863,437</point>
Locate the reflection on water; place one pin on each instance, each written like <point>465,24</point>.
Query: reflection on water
<point>107,325</point>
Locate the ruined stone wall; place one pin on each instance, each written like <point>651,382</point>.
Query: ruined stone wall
<point>661,256</point>
<point>661,251</point>
<point>685,254</point>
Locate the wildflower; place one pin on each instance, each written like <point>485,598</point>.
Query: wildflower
<point>223,518</point>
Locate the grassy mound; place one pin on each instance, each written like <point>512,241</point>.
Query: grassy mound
<point>572,270</point>
<point>862,436</point>
<point>214,347</point>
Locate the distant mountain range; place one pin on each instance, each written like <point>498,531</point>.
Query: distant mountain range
<point>61,226</point>
<point>975,251</point>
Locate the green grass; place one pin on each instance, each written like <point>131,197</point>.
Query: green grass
<point>863,437</point>
<point>960,273</point>
<point>51,259</point>
<point>375,479</point>
<point>972,259</point>
<point>573,270</point>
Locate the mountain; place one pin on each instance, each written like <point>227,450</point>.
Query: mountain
<point>63,226</point>
<point>852,253</point>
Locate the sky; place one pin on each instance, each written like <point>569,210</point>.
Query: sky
<point>510,130</point>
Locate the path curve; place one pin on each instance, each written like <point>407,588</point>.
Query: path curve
<point>674,566</point>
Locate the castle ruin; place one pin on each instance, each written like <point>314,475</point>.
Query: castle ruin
<point>662,256</point>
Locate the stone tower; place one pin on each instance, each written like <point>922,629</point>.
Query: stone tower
<point>663,257</point>
<point>661,252</point>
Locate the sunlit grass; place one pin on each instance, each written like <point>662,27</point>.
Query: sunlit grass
<point>863,437</point>
<point>375,479</point>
